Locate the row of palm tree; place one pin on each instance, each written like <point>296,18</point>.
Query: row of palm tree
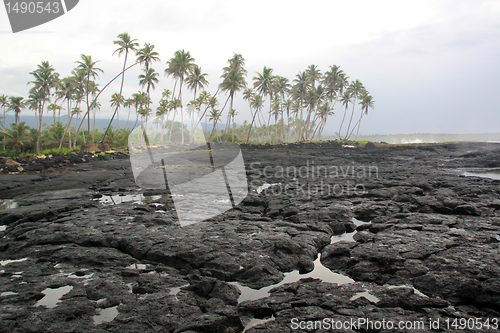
<point>300,107</point>
<point>20,138</point>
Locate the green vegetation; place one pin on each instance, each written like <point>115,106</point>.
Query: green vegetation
<point>297,109</point>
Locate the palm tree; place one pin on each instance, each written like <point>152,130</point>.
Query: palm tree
<point>313,75</point>
<point>125,45</point>
<point>54,108</point>
<point>88,67</point>
<point>203,99</point>
<point>345,100</point>
<point>117,100</point>
<point>79,78</point>
<point>334,81</point>
<point>55,134</point>
<point>175,103</point>
<point>288,105</point>
<point>263,83</point>
<point>299,90</point>
<point>34,103</point>
<point>95,106</point>
<point>147,55</point>
<point>233,78</point>
<point>312,99</point>
<point>140,99</point>
<point>276,112</point>
<point>256,102</point>
<point>214,116</point>
<point>366,102</point>
<point>231,115</point>
<point>46,79</point>
<point>148,79</point>
<point>282,89</point>
<point>17,136</point>
<point>162,112</point>
<point>195,80</point>
<point>16,104</point>
<point>3,104</point>
<point>356,88</point>
<point>128,103</point>
<point>76,110</point>
<point>67,91</point>
<point>324,111</point>
<point>179,66</point>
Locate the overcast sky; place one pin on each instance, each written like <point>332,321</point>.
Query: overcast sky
<point>431,66</point>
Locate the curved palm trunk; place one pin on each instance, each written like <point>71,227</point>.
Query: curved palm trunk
<point>121,86</point>
<point>128,117</point>
<point>136,121</point>
<point>251,124</point>
<point>88,110</point>
<point>228,123</point>
<point>93,125</point>
<point>111,121</point>
<point>342,123</point>
<point>69,127</point>
<point>182,111</point>
<point>192,117</point>
<point>213,129</point>
<point>64,133</point>
<point>350,120</point>
<point>225,104</point>
<point>204,114</point>
<point>308,124</point>
<point>39,129</point>
<point>4,127</point>
<point>299,125</point>
<point>358,124</point>
<point>172,126</point>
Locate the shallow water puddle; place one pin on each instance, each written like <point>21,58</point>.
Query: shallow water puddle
<point>343,237</point>
<point>265,186</point>
<point>348,237</point>
<point>8,204</point>
<point>138,266</point>
<point>136,198</point>
<point>8,293</point>
<point>175,290</point>
<point>53,296</point>
<point>6,262</point>
<point>367,295</point>
<point>319,272</point>
<point>106,315</point>
<point>255,322</point>
<point>486,174</point>
<point>415,290</point>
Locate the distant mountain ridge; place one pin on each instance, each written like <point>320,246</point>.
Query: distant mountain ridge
<point>100,123</point>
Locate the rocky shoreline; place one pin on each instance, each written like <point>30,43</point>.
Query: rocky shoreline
<point>115,256</point>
